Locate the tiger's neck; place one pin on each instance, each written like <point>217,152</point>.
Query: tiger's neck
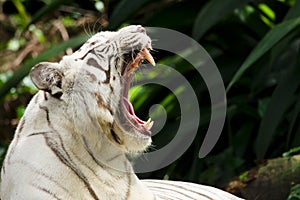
<point>87,150</point>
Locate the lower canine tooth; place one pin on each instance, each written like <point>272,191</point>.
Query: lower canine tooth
<point>148,124</point>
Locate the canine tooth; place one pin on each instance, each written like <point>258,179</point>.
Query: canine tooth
<point>148,124</point>
<point>149,46</point>
<point>148,121</point>
<point>148,56</point>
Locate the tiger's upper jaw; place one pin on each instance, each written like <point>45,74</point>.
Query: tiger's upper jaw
<point>134,49</point>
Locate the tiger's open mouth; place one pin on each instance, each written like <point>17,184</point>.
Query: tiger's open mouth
<point>141,126</point>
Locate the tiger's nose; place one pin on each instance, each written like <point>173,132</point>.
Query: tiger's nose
<point>141,29</point>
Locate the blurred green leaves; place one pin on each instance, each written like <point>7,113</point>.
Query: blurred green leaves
<point>15,44</point>
<point>52,6</point>
<point>46,55</point>
<point>280,101</point>
<point>295,192</point>
<point>123,11</point>
<point>271,38</point>
<point>213,12</point>
<point>24,17</point>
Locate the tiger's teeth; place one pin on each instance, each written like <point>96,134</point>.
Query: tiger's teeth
<point>148,124</point>
<point>148,56</point>
<point>149,46</point>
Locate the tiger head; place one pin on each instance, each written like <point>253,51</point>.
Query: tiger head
<point>93,85</point>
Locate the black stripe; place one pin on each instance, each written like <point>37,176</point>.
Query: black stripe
<point>65,159</point>
<point>87,108</point>
<point>87,53</point>
<point>106,49</point>
<point>91,75</point>
<point>101,103</point>
<point>116,137</point>
<point>98,53</point>
<point>45,96</point>
<point>130,38</point>
<point>68,162</point>
<point>47,113</point>
<point>114,157</point>
<point>93,62</point>
<point>90,152</point>
<point>93,171</point>
<point>88,149</point>
<point>45,191</point>
<point>107,72</point>
<point>21,125</point>
<point>39,172</point>
<point>37,133</point>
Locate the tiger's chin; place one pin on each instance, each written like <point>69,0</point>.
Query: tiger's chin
<point>128,139</point>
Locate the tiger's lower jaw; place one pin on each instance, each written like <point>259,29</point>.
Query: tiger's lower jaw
<point>129,141</point>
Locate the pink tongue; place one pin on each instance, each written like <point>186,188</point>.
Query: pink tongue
<point>130,109</point>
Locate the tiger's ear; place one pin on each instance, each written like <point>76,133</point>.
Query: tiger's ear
<point>48,77</point>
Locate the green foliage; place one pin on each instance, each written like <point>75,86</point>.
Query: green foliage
<point>46,55</point>
<point>255,45</point>
<point>3,149</point>
<point>123,11</point>
<point>291,152</point>
<point>207,16</point>
<point>48,8</point>
<point>15,44</point>
<point>295,192</point>
<point>23,16</point>
<point>244,176</point>
<point>269,41</point>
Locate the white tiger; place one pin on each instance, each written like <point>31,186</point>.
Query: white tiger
<point>73,139</point>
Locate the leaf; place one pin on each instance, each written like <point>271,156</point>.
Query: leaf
<point>49,8</point>
<point>22,11</point>
<point>293,12</point>
<point>186,12</point>
<point>269,40</point>
<point>281,99</point>
<point>212,13</point>
<point>294,122</point>
<point>123,11</point>
<point>291,152</point>
<point>53,51</point>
